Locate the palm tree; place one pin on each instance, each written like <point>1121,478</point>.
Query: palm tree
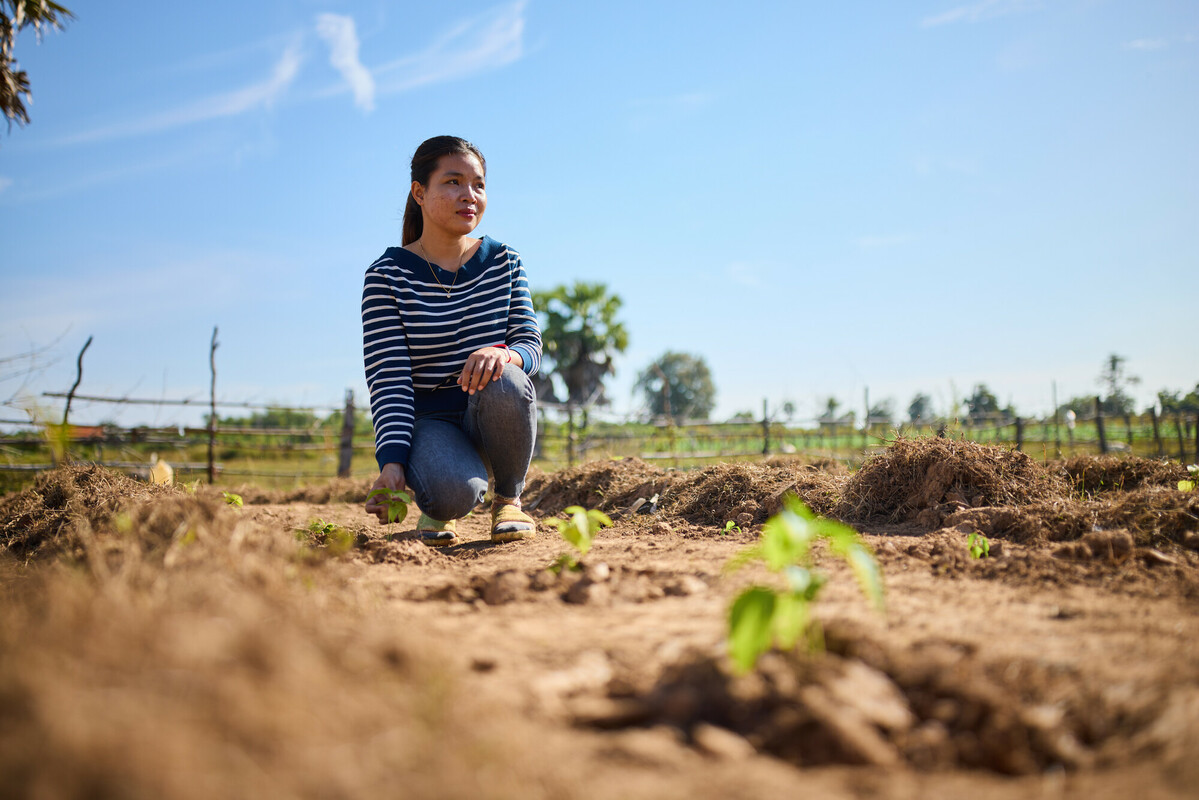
<point>16,15</point>
<point>580,338</point>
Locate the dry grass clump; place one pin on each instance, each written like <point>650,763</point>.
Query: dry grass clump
<point>1095,474</point>
<point>607,485</point>
<point>914,475</point>
<point>1153,514</point>
<point>44,520</point>
<point>722,492</point>
<point>192,653</point>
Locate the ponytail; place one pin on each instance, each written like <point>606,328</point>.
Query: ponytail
<point>414,223</point>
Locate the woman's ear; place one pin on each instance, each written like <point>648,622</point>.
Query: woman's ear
<point>418,193</point>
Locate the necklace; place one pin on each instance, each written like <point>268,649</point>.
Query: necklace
<point>444,288</point>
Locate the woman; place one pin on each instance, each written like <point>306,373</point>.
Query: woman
<point>449,341</point>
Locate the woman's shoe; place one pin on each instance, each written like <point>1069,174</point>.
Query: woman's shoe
<point>509,523</point>
<point>436,533</point>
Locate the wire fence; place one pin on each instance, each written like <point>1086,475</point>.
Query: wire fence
<point>331,447</point>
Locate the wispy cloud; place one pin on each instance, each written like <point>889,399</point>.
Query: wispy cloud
<point>340,34</point>
<point>258,95</point>
<point>478,44</point>
<point>1146,44</point>
<point>975,12</point>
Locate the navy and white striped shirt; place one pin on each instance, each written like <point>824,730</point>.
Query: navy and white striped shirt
<point>416,339</point>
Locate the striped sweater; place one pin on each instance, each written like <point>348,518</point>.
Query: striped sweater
<point>416,339</point>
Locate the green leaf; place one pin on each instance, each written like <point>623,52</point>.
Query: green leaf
<point>1186,486</point>
<point>750,627</point>
<point>791,613</point>
<point>232,499</point>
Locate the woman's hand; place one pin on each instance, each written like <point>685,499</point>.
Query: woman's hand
<point>391,477</point>
<point>482,367</point>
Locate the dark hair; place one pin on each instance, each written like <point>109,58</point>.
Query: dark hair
<point>424,161</point>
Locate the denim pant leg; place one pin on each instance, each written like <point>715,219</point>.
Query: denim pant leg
<point>502,420</point>
<point>445,470</point>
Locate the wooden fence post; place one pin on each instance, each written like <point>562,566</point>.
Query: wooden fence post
<point>570,435</point>
<point>212,410</point>
<point>1182,450</point>
<point>1099,426</point>
<point>1157,434</point>
<point>765,429</point>
<point>347,437</point>
<point>65,432</point>
<point>1019,434</point>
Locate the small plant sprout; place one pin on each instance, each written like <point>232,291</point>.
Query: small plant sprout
<point>1189,485</point>
<point>731,527</point>
<point>979,545</point>
<point>232,499</point>
<point>397,503</point>
<point>336,539</point>
<point>579,531</point>
<point>762,616</point>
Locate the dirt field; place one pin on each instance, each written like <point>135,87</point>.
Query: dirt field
<point>159,644</point>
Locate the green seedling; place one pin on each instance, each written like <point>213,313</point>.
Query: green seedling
<point>979,545</point>
<point>762,616</point>
<point>397,503</point>
<point>579,531</point>
<point>232,499</point>
<point>1189,485</point>
<point>336,539</point>
<point>731,527</point>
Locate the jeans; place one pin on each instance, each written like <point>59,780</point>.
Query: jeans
<point>453,453</point>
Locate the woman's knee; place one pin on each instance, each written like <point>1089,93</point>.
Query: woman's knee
<point>451,500</point>
<point>514,388</point>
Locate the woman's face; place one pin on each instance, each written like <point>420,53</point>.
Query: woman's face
<point>456,196</point>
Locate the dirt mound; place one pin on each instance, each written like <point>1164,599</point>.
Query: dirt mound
<point>336,490</point>
<point>44,520</point>
<point>924,480</point>
<point>1096,474</point>
<point>610,485</point>
<point>935,706</point>
<point>716,494</point>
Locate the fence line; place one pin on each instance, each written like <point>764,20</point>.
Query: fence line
<point>1173,435</point>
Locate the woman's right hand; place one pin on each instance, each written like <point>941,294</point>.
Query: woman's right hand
<point>391,477</point>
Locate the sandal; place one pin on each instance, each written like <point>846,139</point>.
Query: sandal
<point>509,523</point>
<point>436,533</point>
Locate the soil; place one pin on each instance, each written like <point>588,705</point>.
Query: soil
<point>160,644</point>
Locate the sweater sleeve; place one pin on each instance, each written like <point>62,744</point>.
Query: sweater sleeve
<point>523,335</point>
<point>388,369</point>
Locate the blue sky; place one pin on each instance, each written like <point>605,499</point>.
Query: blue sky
<point>818,198</point>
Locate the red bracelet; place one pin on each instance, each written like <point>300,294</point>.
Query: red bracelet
<point>505,347</point>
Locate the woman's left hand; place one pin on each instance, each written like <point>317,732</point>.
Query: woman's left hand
<point>482,367</point>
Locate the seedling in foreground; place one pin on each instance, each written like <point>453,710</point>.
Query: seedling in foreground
<point>336,539</point>
<point>397,503</point>
<point>579,531</point>
<point>979,545</point>
<point>731,527</point>
<point>232,499</point>
<point>762,616</point>
<point>1189,485</point>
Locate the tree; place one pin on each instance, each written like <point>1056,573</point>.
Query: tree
<point>982,403</point>
<point>1116,380</point>
<point>881,413</point>
<point>830,409</point>
<point>678,385</point>
<point>15,16</point>
<point>580,336</point>
<point>920,409</point>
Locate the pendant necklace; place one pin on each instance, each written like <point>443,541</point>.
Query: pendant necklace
<point>444,288</point>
